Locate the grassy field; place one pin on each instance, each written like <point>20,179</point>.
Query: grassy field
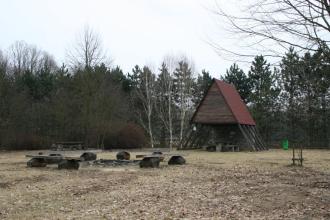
<point>240,185</point>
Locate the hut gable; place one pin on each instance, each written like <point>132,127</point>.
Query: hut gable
<point>213,109</point>
<point>222,105</point>
<point>223,121</point>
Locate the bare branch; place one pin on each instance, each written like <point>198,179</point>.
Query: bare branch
<point>303,24</point>
<point>88,50</point>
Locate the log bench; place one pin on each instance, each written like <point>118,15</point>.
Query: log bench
<point>154,159</point>
<point>61,161</point>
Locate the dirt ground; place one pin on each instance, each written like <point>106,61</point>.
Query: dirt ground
<point>240,185</point>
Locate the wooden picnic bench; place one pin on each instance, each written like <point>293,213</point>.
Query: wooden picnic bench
<point>221,147</point>
<point>231,147</point>
<point>68,145</point>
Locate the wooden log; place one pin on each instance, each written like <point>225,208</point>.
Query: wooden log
<point>255,135</point>
<point>252,137</point>
<point>257,138</point>
<point>116,162</point>
<point>160,154</point>
<point>176,160</point>
<point>260,139</point>
<point>150,162</point>
<point>69,165</point>
<point>49,157</point>
<point>36,162</point>
<point>246,137</point>
<point>88,156</point>
<point>123,155</point>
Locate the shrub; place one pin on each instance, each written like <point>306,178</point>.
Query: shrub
<point>30,142</point>
<point>110,140</point>
<point>131,136</point>
<point>24,141</point>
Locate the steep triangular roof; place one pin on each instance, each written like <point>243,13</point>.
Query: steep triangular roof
<point>222,104</point>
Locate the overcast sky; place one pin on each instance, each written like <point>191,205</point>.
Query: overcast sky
<point>133,31</point>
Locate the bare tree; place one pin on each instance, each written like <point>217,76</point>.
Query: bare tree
<point>272,26</point>
<point>25,57</point>
<point>166,98</point>
<point>145,94</point>
<point>18,55</point>
<point>3,93</point>
<point>34,56</point>
<point>87,51</point>
<point>183,85</point>
<point>47,62</point>
<point>3,61</point>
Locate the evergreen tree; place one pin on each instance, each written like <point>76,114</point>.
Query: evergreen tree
<point>264,93</point>
<point>322,70</point>
<point>290,77</point>
<point>202,84</point>
<point>314,88</point>
<point>237,77</point>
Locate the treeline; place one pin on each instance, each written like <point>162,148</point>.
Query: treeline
<point>42,103</point>
<point>290,101</point>
<point>91,101</point>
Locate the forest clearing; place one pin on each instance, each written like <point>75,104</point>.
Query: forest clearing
<point>231,185</point>
<point>196,109</point>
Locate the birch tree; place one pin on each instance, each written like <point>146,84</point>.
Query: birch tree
<point>144,92</point>
<point>165,100</point>
<point>183,84</point>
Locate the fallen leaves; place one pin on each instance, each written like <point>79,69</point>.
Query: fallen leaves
<point>210,186</point>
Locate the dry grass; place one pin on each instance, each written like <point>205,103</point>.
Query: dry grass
<point>211,186</point>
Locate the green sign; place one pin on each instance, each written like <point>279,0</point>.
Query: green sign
<point>285,144</point>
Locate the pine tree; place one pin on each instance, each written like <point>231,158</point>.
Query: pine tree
<point>201,86</point>
<point>237,77</point>
<point>289,77</point>
<point>264,93</point>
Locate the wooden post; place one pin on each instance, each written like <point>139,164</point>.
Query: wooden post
<point>293,156</point>
<point>301,156</point>
<point>247,137</point>
<point>297,156</point>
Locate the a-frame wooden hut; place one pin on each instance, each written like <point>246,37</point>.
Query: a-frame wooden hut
<point>223,118</point>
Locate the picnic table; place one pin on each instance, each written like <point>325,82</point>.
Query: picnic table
<point>68,145</point>
<point>221,147</point>
<point>232,147</point>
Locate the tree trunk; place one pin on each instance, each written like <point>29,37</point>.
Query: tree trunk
<point>170,120</point>
<point>150,130</point>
